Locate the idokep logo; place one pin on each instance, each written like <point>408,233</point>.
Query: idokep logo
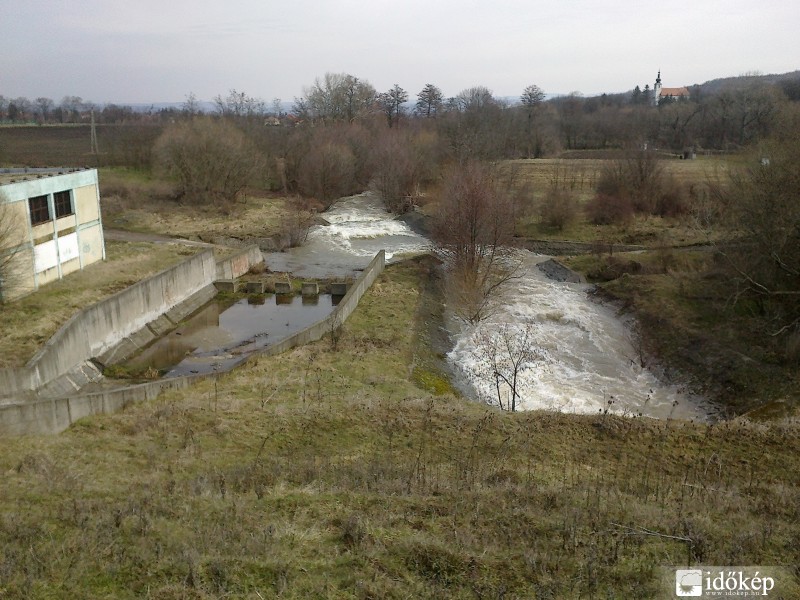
<point>689,582</point>
<point>715,582</point>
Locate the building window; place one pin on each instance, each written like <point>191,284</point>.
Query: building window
<point>63,204</point>
<point>40,211</point>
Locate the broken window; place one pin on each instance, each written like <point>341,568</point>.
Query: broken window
<point>40,211</point>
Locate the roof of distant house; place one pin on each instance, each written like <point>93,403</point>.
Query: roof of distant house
<point>676,91</point>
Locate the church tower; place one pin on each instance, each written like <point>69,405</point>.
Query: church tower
<point>657,89</point>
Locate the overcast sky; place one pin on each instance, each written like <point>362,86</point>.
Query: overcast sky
<point>136,51</point>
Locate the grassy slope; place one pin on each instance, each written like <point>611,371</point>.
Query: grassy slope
<point>137,202</point>
<point>30,321</point>
<point>330,474</point>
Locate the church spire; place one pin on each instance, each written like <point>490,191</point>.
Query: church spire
<point>657,89</point>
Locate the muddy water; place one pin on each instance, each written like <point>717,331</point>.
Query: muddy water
<point>359,227</point>
<point>588,360</point>
<point>220,336</point>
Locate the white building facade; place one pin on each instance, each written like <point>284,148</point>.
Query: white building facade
<point>50,226</point>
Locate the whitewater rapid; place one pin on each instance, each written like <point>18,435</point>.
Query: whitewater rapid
<point>358,228</point>
<point>586,356</point>
<point>587,359</point>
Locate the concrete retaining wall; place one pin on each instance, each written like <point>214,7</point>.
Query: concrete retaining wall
<point>240,263</point>
<point>55,415</point>
<point>98,328</point>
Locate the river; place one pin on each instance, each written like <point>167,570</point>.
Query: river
<point>359,227</point>
<point>587,360</point>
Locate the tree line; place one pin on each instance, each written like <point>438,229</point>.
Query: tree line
<point>343,136</point>
<point>530,126</point>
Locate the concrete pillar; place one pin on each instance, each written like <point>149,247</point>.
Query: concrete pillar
<point>338,289</point>
<point>283,287</point>
<point>310,289</point>
<point>227,285</point>
<point>255,287</point>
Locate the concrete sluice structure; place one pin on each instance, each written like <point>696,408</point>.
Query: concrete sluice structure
<point>44,396</point>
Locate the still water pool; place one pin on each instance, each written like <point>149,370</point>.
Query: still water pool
<point>221,335</point>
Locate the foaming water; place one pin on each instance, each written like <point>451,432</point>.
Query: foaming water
<point>588,362</point>
<point>587,359</point>
<point>359,227</point>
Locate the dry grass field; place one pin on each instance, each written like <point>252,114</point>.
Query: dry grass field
<point>135,201</point>
<point>579,177</point>
<point>331,474</point>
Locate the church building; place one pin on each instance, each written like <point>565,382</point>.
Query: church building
<point>660,92</point>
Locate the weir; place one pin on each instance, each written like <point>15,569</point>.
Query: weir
<point>52,415</point>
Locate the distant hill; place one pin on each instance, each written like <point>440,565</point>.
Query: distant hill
<point>716,86</point>
<point>157,106</point>
<point>789,82</point>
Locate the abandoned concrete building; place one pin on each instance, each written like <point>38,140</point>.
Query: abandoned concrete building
<point>50,226</point>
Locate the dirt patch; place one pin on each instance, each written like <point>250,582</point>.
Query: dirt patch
<point>120,235</point>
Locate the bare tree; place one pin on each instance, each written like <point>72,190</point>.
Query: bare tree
<point>761,211</point>
<point>532,98</point>
<point>474,231</point>
<point>475,98</point>
<point>504,355</point>
<point>392,104</point>
<point>44,106</point>
<point>327,171</point>
<point>71,107</point>
<point>239,105</point>
<point>11,237</point>
<point>297,221</point>
<point>191,107</point>
<point>211,159</point>
<point>336,97</point>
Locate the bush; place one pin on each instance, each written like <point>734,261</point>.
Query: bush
<point>609,210</point>
<point>211,159</point>
<point>613,268</point>
<point>558,209</point>
<point>672,201</point>
<point>638,178</point>
<point>327,172</point>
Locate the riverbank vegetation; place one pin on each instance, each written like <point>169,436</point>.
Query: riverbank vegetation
<point>323,473</point>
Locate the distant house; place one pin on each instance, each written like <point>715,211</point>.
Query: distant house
<point>660,92</point>
<point>50,226</point>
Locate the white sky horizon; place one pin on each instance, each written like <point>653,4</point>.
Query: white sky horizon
<point>109,51</point>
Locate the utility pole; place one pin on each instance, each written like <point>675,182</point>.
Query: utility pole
<point>94,149</point>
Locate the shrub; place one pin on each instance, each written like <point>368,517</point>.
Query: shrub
<point>672,200</point>
<point>558,208</point>
<point>327,172</point>
<point>613,268</point>
<point>211,159</point>
<point>638,178</point>
<point>604,209</point>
